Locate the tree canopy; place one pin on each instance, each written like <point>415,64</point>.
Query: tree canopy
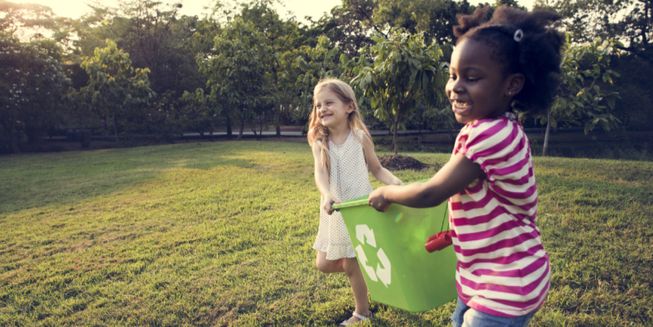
<point>405,72</point>
<point>143,68</point>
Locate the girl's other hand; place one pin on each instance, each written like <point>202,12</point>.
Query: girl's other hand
<point>377,199</point>
<point>329,201</point>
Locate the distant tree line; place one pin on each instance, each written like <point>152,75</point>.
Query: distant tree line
<point>145,69</point>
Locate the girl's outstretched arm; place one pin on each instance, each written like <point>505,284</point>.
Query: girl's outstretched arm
<point>452,178</point>
<point>373,164</point>
<point>322,179</point>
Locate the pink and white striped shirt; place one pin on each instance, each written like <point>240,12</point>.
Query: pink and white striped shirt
<point>502,267</point>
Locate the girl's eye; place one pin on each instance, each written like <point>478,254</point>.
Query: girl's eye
<point>472,78</point>
<point>452,77</point>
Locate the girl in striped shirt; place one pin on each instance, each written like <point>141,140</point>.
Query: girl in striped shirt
<point>506,63</point>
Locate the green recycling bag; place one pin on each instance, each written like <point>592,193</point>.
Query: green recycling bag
<point>390,250</point>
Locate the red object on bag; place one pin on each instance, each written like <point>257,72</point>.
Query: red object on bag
<point>439,241</point>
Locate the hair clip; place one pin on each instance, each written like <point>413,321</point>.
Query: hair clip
<point>519,35</point>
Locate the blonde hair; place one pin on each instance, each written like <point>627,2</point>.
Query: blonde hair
<point>318,132</point>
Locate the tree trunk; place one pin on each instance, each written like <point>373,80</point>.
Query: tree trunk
<point>395,128</point>
<point>545,146</point>
<point>229,132</point>
<point>32,136</point>
<point>395,124</point>
<point>115,128</point>
<point>12,139</point>
<point>242,127</point>
<point>648,7</point>
<point>278,120</point>
<point>85,139</point>
<point>13,142</point>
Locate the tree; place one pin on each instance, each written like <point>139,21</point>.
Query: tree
<point>237,72</point>
<point>33,86</point>
<point>635,105</point>
<point>324,60</point>
<point>584,98</point>
<point>197,113</point>
<point>281,36</point>
<point>432,18</point>
<point>291,89</point>
<point>405,73</point>
<point>32,20</point>
<point>157,39</point>
<point>352,23</point>
<point>349,25</point>
<point>154,36</point>
<point>116,91</point>
<point>629,21</point>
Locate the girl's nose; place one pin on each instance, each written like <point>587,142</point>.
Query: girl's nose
<point>457,87</point>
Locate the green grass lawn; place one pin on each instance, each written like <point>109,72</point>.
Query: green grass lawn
<point>221,234</point>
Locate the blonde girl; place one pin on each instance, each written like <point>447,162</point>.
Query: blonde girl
<point>343,155</point>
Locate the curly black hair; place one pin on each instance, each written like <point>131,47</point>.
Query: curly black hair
<point>534,52</point>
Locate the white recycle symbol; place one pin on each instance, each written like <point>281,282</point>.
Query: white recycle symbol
<point>366,236</point>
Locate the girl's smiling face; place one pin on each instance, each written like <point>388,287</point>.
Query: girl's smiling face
<point>331,110</point>
<point>478,86</point>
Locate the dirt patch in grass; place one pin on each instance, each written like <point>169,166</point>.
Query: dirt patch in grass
<point>399,162</point>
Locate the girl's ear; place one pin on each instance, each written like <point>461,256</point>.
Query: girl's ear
<point>515,84</point>
<point>350,107</point>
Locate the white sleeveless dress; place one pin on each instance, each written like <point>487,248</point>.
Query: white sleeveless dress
<point>348,179</point>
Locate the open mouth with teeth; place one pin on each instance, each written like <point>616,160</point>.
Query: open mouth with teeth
<point>460,106</point>
<point>326,117</point>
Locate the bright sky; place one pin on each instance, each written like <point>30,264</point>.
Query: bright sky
<point>77,8</point>
<point>300,8</point>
